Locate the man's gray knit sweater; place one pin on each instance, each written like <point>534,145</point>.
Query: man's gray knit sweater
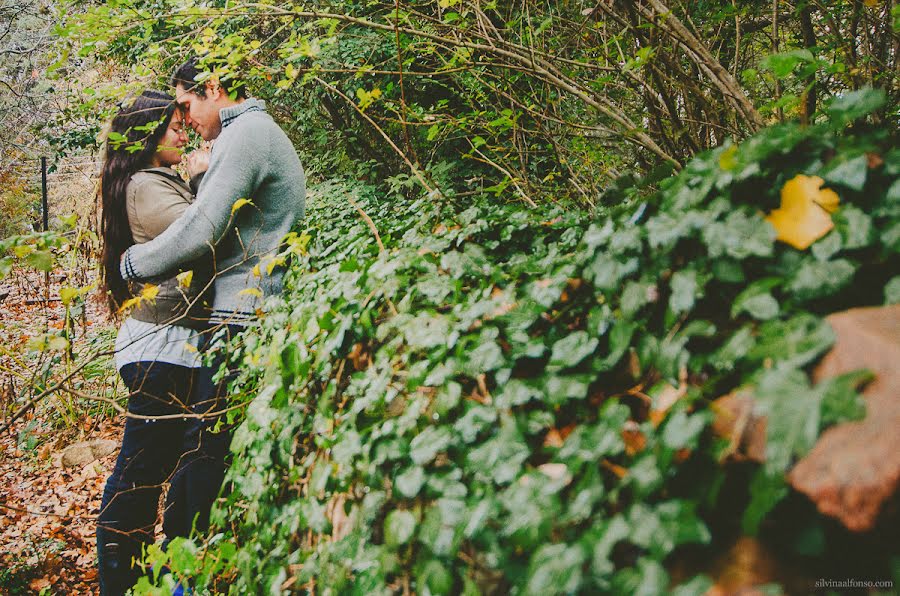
<point>252,159</point>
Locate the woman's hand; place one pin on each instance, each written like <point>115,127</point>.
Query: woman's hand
<point>197,162</point>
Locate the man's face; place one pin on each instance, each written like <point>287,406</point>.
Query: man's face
<point>200,113</point>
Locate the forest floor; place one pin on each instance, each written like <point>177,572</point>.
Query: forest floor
<point>48,511</point>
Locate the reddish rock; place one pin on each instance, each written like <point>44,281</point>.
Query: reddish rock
<point>854,468</point>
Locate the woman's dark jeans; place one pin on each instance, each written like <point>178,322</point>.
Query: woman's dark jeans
<point>151,450</point>
<point>186,453</point>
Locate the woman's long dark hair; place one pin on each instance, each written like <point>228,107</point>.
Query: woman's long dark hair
<point>131,144</point>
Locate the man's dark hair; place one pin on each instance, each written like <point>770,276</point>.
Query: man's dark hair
<point>186,76</point>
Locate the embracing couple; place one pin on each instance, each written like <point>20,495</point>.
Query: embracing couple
<point>199,244</point>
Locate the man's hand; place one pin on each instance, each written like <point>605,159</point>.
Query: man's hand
<point>197,162</point>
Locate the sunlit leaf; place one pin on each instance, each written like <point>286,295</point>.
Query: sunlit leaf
<point>238,204</point>
<point>67,294</point>
<point>149,292</point>
<point>185,278</point>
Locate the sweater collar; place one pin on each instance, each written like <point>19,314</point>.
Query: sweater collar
<point>229,114</point>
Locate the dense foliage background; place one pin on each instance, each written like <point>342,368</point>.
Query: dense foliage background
<point>507,401</point>
<point>542,239</point>
<point>549,101</point>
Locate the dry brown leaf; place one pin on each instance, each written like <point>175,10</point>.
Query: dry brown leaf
<point>635,441</point>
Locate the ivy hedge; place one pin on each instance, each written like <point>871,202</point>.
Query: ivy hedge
<point>512,401</point>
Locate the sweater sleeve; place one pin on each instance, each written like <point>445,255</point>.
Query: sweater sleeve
<point>156,205</point>
<point>234,173</point>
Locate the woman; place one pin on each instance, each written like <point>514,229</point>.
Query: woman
<point>156,348</point>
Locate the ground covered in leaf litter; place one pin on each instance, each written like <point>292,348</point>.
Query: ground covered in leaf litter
<point>47,511</point>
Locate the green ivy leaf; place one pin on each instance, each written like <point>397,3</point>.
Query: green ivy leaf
<point>685,290</point>
<point>815,279</point>
<point>434,575</point>
<point>855,227</point>
<point>757,301</point>
<point>740,236</point>
<point>636,295</point>
<point>399,527</point>
<point>735,348</point>
<point>554,569</point>
<point>501,457</point>
<point>572,349</point>
<point>793,409</point>
<point>792,343</point>
<point>892,291</point>
<point>767,489</point>
<point>516,393</point>
<point>427,444</point>
<point>855,104</point>
<point>410,481</point>
<point>827,247</point>
<point>442,528</point>
<point>426,331</point>
<point>682,431</point>
<point>841,401</point>
<point>696,586</point>
<point>849,173</point>
<point>646,578</point>
<point>605,538</point>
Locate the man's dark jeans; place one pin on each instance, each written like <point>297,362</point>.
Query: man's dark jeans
<point>187,453</point>
<point>199,476</point>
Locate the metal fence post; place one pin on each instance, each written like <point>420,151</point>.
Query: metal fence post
<point>44,202</point>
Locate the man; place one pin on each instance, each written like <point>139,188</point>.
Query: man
<point>251,196</point>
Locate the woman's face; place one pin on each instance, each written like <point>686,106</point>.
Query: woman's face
<point>168,152</point>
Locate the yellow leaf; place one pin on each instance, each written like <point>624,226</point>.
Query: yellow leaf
<point>251,292</point>
<point>256,270</point>
<point>129,303</point>
<point>804,215</point>
<point>149,292</point>
<point>185,278</point>
<point>190,348</point>
<point>67,294</point>
<point>274,263</point>
<point>728,158</point>
<point>22,250</point>
<point>238,204</point>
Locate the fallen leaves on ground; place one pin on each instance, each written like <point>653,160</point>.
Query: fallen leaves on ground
<point>47,512</point>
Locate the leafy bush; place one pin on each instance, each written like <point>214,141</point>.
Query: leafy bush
<point>550,99</point>
<point>508,401</point>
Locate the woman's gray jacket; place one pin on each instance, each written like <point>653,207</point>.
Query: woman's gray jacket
<point>155,198</point>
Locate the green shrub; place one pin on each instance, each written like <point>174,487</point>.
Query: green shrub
<point>487,405</point>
